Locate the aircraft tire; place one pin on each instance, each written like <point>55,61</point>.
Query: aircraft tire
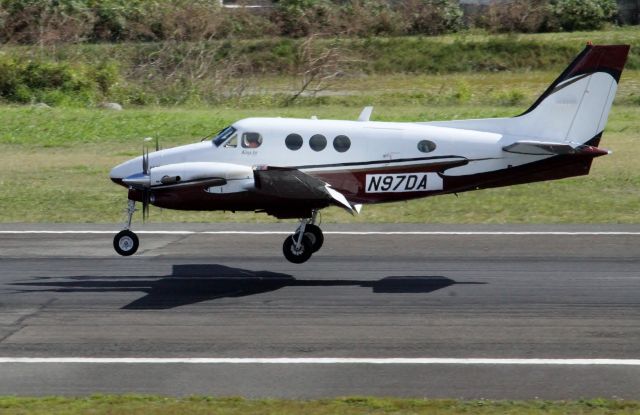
<point>314,233</point>
<point>297,256</point>
<point>126,243</point>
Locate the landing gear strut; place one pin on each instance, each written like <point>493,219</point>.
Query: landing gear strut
<point>306,240</point>
<point>126,242</point>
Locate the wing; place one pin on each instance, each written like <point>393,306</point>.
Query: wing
<point>298,186</point>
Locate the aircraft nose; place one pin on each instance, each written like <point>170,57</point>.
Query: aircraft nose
<point>125,169</point>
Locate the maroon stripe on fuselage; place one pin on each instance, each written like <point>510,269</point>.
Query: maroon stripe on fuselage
<point>352,185</point>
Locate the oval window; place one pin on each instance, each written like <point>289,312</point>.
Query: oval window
<point>293,141</point>
<point>317,142</point>
<point>426,146</point>
<point>341,143</point>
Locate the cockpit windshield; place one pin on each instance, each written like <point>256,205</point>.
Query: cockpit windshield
<point>223,135</point>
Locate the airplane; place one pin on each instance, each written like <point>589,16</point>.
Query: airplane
<point>292,168</point>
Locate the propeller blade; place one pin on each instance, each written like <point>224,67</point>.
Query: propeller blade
<point>157,143</point>
<point>145,161</point>
<point>146,196</point>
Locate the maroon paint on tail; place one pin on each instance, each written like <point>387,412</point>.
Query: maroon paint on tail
<point>609,59</point>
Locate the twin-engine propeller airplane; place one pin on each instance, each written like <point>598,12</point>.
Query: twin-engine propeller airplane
<point>292,168</point>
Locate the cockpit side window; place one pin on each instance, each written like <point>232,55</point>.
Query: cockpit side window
<point>251,140</point>
<point>232,142</point>
<point>223,136</point>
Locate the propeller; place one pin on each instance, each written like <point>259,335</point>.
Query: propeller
<point>146,171</point>
<point>142,181</point>
<point>146,193</point>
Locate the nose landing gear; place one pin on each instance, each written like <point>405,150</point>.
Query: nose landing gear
<point>306,240</point>
<point>126,242</point>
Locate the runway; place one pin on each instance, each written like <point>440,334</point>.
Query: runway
<point>454,301</point>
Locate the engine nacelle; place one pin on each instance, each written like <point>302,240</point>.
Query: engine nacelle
<point>178,173</point>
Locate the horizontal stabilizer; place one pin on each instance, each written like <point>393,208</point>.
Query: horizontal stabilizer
<point>542,148</point>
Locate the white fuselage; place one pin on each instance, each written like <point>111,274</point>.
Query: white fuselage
<point>372,145</point>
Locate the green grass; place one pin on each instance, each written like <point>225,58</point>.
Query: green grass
<point>397,97</point>
<point>155,405</point>
<point>54,167</point>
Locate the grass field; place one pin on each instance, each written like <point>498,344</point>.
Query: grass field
<point>54,167</point>
<point>153,405</point>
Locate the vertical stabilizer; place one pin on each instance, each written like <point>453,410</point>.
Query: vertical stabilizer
<point>576,106</point>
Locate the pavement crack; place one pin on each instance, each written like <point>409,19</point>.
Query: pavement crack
<point>19,323</point>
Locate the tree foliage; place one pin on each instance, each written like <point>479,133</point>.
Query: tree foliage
<point>583,14</point>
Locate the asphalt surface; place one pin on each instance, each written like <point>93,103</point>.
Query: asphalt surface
<point>361,296</point>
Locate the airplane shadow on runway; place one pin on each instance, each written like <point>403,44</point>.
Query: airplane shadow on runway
<point>193,283</point>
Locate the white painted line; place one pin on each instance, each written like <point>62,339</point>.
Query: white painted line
<point>479,233</point>
<point>323,361</point>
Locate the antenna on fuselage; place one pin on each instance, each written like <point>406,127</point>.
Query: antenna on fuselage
<point>365,115</point>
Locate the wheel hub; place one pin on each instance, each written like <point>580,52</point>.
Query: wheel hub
<point>125,243</point>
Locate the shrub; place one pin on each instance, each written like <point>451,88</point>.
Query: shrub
<point>583,14</point>
<point>298,18</point>
<point>120,20</point>
<point>246,24</point>
<point>432,17</point>
<point>371,18</point>
<point>36,21</point>
<point>184,21</point>
<point>53,82</point>
<point>524,16</point>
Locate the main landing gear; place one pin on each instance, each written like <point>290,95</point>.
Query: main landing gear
<point>307,239</point>
<point>126,242</point>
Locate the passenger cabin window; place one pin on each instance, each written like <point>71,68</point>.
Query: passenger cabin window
<point>426,146</point>
<point>251,140</point>
<point>317,142</point>
<point>293,141</point>
<point>341,143</point>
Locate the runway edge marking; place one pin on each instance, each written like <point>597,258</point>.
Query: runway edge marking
<point>479,233</point>
<point>321,361</point>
